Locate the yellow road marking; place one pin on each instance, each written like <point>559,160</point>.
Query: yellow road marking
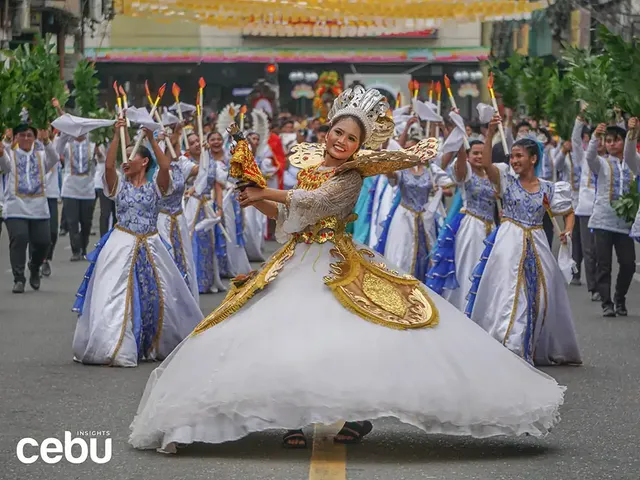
<point>328,459</point>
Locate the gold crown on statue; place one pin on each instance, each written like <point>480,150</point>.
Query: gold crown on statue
<point>368,106</point>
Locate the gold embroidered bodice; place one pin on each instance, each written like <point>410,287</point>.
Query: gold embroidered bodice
<point>318,212</point>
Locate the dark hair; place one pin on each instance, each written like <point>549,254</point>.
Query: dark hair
<point>474,142</point>
<point>363,132</point>
<point>523,123</point>
<point>213,133</point>
<point>324,128</point>
<point>287,122</point>
<point>585,131</point>
<point>531,147</point>
<point>616,132</point>
<point>144,152</point>
<point>546,133</point>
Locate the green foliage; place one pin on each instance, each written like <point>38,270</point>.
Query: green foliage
<point>591,78</point>
<point>626,207</point>
<point>624,70</point>
<point>535,75</point>
<point>86,88</point>
<point>13,92</point>
<point>507,81</point>
<point>41,79</point>
<point>560,105</point>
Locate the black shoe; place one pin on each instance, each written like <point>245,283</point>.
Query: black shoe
<point>18,287</point>
<point>76,257</point>
<point>46,269</point>
<point>576,281</point>
<point>596,297</point>
<point>34,279</point>
<point>621,309</point>
<point>608,311</point>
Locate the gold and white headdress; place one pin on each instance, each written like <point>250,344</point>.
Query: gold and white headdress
<point>368,106</point>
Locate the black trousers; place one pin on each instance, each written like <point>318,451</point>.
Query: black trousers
<point>25,232</point>
<point>79,216</point>
<point>107,210</point>
<point>605,242</point>
<point>53,226</point>
<point>584,248</point>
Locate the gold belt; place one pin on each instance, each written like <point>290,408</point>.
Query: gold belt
<point>526,228</point>
<point>325,230</point>
<point>138,235</point>
<point>172,215</point>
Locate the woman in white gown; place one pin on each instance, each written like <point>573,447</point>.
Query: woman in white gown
<point>208,245</point>
<point>236,255</point>
<point>327,331</point>
<point>133,304</point>
<point>461,243</point>
<point>410,229</point>
<point>173,226</point>
<point>519,294</point>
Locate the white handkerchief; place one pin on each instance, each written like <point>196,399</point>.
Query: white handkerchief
<point>185,107</point>
<point>79,126</point>
<point>426,111</point>
<point>169,119</point>
<point>485,112</point>
<point>142,117</point>
<point>401,111</point>
<point>565,260</point>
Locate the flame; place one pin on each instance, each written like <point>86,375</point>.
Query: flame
<point>162,89</point>
<point>202,83</point>
<point>398,98</point>
<point>431,86</point>
<point>243,109</point>
<point>146,89</point>
<point>447,82</point>
<point>122,92</point>
<point>438,87</point>
<point>175,89</point>
<point>115,87</point>
<point>490,81</point>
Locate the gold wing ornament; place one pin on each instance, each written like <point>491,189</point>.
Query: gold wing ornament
<point>368,162</point>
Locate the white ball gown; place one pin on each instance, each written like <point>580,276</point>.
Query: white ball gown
<point>133,304</point>
<point>519,294</point>
<point>325,332</point>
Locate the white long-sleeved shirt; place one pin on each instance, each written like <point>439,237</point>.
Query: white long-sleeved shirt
<point>614,179</point>
<point>79,170</point>
<point>24,182</point>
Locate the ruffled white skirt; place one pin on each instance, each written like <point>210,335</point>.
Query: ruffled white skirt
<point>403,241</point>
<point>294,356</point>
<point>164,229</point>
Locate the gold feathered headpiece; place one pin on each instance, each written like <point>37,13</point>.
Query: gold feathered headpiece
<point>368,106</point>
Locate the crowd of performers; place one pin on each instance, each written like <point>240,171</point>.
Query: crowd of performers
<point>450,249</point>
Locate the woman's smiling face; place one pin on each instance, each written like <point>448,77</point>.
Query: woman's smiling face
<point>343,140</point>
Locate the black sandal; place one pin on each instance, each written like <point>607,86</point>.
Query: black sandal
<point>354,432</point>
<point>294,435</point>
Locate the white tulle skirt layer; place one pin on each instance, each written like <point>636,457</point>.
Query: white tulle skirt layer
<point>294,356</point>
<point>255,229</point>
<point>105,331</point>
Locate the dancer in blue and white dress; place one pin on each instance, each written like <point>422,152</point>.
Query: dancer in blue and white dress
<point>133,304</point>
<point>255,222</point>
<point>208,244</point>
<point>519,294</point>
<point>172,223</point>
<point>462,242</point>
<point>409,233</point>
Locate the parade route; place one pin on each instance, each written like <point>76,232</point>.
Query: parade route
<point>44,394</point>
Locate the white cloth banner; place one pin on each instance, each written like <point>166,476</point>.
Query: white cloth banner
<point>426,111</point>
<point>169,118</point>
<point>455,140</point>
<point>142,117</point>
<point>185,107</point>
<point>485,112</point>
<point>79,126</point>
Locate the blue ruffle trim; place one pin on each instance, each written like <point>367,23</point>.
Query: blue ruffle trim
<point>237,212</point>
<point>443,272</point>
<point>476,276</point>
<point>84,286</point>
<point>382,241</point>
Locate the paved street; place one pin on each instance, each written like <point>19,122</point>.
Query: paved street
<point>43,393</point>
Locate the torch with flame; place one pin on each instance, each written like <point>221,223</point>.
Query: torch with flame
<point>123,94</point>
<point>428,127</point>
<point>199,104</point>
<point>414,88</point>
<point>175,89</point>
<point>153,111</point>
<point>123,138</point>
<point>495,107</point>
<point>438,105</point>
<point>447,84</point>
<point>243,112</point>
<point>398,100</point>
<point>172,151</point>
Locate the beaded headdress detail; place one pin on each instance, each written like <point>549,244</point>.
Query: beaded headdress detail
<point>368,106</point>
